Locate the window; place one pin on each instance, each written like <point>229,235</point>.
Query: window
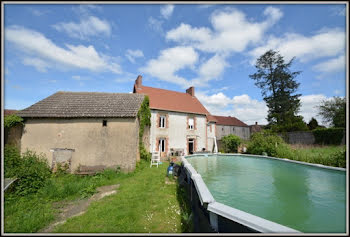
<point>162,120</point>
<point>104,123</point>
<point>162,145</point>
<point>190,123</point>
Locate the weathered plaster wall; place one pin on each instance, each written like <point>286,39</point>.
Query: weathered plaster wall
<point>211,134</point>
<point>110,146</point>
<point>176,131</point>
<point>223,130</point>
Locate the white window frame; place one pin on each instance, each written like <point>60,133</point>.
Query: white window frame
<point>161,147</point>
<point>162,121</point>
<point>191,126</point>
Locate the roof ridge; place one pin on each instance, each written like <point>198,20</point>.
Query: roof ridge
<point>168,90</point>
<point>94,92</point>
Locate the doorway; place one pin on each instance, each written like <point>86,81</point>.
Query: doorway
<point>190,146</point>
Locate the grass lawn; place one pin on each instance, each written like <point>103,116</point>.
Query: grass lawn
<point>144,203</point>
<point>326,155</point>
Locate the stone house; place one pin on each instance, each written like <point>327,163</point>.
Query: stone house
<point>231,125</point>
<point>179,122</point>
<point>86,130</point>
<point>255,128</point>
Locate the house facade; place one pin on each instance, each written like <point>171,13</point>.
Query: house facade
<point>178,121</point>
<point>226,125</point>
<point>83,129</point>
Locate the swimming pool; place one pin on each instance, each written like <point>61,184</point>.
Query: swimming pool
<point>306,198</point>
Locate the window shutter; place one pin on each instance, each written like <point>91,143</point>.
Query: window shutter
<point>158,121</point>
<point>195,123</point>
<point>167,121</point>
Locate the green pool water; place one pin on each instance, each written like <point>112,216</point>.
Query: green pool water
<point>302,197</point>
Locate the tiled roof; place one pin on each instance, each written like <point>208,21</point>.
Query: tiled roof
<point>172,100</point>
<point>9,111</point>
<point>85,104</point>
<point>231,121</point>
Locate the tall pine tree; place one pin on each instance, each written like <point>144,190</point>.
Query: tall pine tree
<point>278,86</point>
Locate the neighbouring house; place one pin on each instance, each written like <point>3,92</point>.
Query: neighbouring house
<point>255,128</point>
<point>231,125</point>
<point>9,111</point>
<point>85,130</point>
<point>179,122</point>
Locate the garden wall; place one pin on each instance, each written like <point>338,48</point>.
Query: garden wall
<point>13,135</point>
<point>301,137</point>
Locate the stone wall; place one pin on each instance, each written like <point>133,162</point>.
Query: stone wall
<point>301,137</point>
<point>12,136</point>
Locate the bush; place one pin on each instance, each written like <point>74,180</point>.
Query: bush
<point>12,161</point>
<point>144,154</point>
<point>12,120</point>
<point>32,174</point>
<point>328,135</point>
<point>267,142</point>
<point>339,158</point>
<point>230,143</point>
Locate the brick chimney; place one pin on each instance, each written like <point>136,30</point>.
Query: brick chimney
<point>190,91</point>
<point>256,123</point>
<point>138,81</point>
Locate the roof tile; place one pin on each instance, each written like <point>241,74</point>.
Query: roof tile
<point>231,121</point>
<point>85,104</point>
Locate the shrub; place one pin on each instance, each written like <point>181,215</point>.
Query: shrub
<point>230,143</point>
<point>12,120</point>
<point>32,174</point>
<point>12,161</point>
<point>144,154</point>
<point>266,141</point>
<point>338,158</point>
<point>328,135</point>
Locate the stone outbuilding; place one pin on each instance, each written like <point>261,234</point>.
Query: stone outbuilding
<point>85,130</point>
<point>226,125</point>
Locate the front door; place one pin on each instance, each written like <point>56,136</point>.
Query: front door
<point>190,146</point>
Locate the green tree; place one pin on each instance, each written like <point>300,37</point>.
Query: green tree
<point>278,86</point>
<point>230,143</point>
<point>312,124</point>
<point>334,111</point>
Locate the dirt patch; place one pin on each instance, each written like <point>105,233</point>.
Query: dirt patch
<point>79,207</point>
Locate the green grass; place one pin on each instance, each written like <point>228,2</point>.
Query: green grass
<point>143,203</point>
<point>326,155</point>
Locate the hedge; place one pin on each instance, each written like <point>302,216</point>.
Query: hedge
<point>332,136</point>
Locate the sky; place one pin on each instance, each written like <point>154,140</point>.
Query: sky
<point>213,47</point>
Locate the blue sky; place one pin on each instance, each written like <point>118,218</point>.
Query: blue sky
<point>70,47</point>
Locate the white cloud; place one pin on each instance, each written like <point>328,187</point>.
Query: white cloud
<point>210,70</point>
<point>232,32</point>
<point>38,12</point>
<point>250,111</point>
<point>155,24</point>
<point>88,26</point>
<point>332,65</point>
<point>169,62</point>
<point>86,9</point>
<point>326,43</point>
<point>308,108</point>
<point>242,107</point>
<point>166,11</point>
<point>338,10</point>
<point>205,6</point>
<point>45,54</point>
<point>132,54</point>
<point>80,78</point>
<point>38,63</point>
